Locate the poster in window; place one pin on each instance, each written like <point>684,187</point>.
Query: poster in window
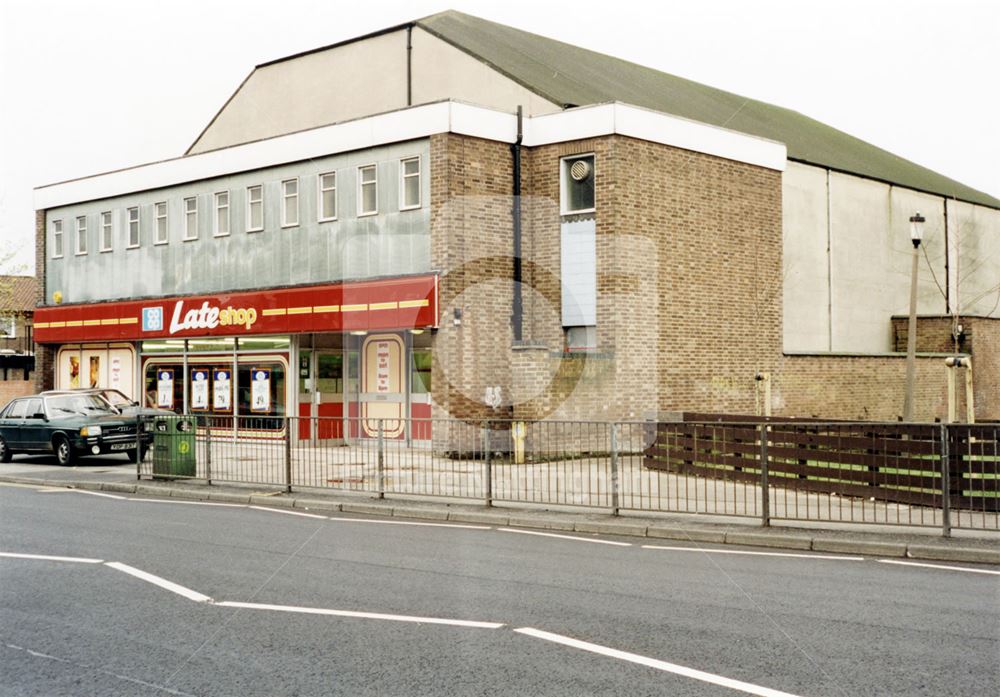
<point>165,389</point>
<point>260,390</point>
<point>95,371</point>
<point>116,372</point>
<point>222,394</point>
<point>382,370</point>
<point>199,389</point>
<point>74,372</point>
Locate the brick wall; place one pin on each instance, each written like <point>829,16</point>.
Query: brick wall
<point>44,355</point>
<point>985,350</point>
<point>934,335</point>
<point>15,387</point>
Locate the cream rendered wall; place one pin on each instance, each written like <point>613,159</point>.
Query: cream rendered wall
<point>441,71</point>
<point>974,232</point>
<point>338,84</point>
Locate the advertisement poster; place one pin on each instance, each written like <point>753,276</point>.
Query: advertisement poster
<point>95,370</point>
<point>260,390</point>
<point>74,372</point>
<point>116,372</point>
<point>382,371</point>
<point>199,389</point>
<point>223,390</point>
<point>165,389</point>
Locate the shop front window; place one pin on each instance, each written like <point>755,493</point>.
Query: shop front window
<point>420,376</point>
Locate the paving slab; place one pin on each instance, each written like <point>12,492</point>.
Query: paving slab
<point>610,528</point>
<point>228,497</point>
<point>541,522</point>
<point>118,487</point>
<point>420,512</point>
<point>369,508</point>
<point>761,539</point>
<point>679,532</point>
<point>480,517</point>
<point>944,552</point>
<point>316,504</point>
<point>870,548</point>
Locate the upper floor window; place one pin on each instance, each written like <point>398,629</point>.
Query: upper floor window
<point>107,231</point>
<point>191,218</point>
<point>8,327</point>
<point>81,234</point>
<point>328,196</point>
<point>57,239</point>
<point>222,213</point>
<point>409,172</point>
<point>133,227</point>
<point>289,202</point>
<point>160,209</point>
<point>367,190</point>
<point>577,184</point>
<point>255,208</point>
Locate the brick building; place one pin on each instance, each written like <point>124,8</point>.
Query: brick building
<point>17,360</point>
<point>469,220</point>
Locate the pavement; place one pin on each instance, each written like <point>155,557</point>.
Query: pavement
<point>884,541</point>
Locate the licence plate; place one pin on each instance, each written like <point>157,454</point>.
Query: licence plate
<point>123,446</point>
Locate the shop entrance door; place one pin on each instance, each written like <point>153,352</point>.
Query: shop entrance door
<point>321,394</point>
<point>383,386</point>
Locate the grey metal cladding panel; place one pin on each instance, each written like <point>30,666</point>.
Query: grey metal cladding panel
<point>393,242</point>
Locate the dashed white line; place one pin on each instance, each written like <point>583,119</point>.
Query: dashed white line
<point>361,615</point>
<point>45,557</point>
<point>191,503</point>
<point>161,582</point>
<point>406,522</point>
<point>89,493</point>
<point>711,678</point>
<point>939,566</point>
<point>566,537</point>
<point>282,510</point>
<point>756,554</point>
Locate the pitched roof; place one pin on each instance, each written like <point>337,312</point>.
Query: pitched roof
<point>570,75</point>
<point>17,293</point>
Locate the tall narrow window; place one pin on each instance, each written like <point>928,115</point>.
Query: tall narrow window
<point>577,184</point>
<point>409,172</point>
<point>57,239</point>
<point>328,196</point>
<point>255,208</point>
<point>290,202</point>
<point>106,231</point>
<point>81,234</point>
<point>161,223</point>
<point>222,213</point>
<point>191,218</point>
<point>367,190</point>
<point>133,227</point>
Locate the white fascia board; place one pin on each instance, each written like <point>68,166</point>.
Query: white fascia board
<point>392,127</point>
<point>656,127</point>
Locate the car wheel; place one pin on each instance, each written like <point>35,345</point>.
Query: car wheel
<point>64,451</point>
<point>5,453</point>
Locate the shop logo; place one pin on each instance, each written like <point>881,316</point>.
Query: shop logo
<point>152,319</point>
<point>208,317</point>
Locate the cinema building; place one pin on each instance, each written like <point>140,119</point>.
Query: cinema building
<point>453,218</point>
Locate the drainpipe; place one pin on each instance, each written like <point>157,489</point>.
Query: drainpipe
<point>409,65</point>
<point>515,151</point>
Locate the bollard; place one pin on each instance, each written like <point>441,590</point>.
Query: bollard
<point>487,467</point>
<point>765,492</point>
<point>381,459</point>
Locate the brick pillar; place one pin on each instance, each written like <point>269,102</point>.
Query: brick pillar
<point>44,355</point>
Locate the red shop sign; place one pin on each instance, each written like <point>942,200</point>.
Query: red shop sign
<point>396,303</point>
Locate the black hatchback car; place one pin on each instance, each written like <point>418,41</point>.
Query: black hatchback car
<point>70,426</point>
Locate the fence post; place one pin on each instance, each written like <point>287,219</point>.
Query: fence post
<point>945,482</point>
<point>288,455</point>
<point>765,492</point>
<point>381,459</point>
<point>140,429</point>
<point>614,469</point>
<point>487,467</point>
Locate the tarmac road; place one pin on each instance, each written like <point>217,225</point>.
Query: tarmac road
<point>458,610</point>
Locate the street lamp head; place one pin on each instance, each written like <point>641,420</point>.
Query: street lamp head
<point>917,228</point>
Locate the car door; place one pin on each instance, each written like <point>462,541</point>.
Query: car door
<point>14,424</point>
<point>34,430</point>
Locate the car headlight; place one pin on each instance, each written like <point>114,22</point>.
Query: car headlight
<point>88,431</point>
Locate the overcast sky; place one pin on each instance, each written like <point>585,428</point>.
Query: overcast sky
<point>90,86</point>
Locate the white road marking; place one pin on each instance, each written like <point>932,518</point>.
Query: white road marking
<point>711,678</point>
<point>282,510</point>
<point>405,522</point>
<point>362,615</point>
<point>759,554</point>
<point>939,566</point>
<point>567,537</point>
<point>161,582</point>
<point>92,493</point>
<point>45,557</point>
<point>192,503</point>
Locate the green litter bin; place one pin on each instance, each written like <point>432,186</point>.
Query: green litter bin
<point>173,446</point>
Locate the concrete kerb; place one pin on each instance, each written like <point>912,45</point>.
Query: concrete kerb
<point>943,551</point>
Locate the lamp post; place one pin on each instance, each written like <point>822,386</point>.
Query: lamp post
<point>916,235</point>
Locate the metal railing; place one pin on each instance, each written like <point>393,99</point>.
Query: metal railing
<point>919,475</point>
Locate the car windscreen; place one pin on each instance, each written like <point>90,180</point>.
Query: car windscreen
<point>116,398</point>
<point>78,404</point>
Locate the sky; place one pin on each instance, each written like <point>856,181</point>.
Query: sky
<point>91,86</point>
